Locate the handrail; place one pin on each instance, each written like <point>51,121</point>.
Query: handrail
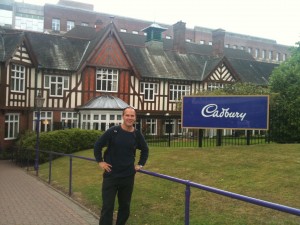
<point>189,184</point>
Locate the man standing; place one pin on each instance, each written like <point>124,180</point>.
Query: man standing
<point>118,163</point>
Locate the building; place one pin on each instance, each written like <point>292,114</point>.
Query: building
<point>148,72</point>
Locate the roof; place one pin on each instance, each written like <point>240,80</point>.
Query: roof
<point>57,52</point>
<point>105,102</point>
<point>8,44</point>
<point>155,60</point>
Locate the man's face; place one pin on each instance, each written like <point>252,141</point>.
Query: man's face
<point>129,117</point>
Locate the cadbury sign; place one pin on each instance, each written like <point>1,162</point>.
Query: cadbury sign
<point>227,112</point>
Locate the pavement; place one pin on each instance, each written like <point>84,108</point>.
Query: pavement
<point>26,200</point>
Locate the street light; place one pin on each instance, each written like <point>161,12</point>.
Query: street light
<point>39,102</point>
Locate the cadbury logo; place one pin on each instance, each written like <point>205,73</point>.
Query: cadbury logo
<point>211,110</point>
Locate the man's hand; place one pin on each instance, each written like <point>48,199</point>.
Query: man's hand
<point>105,166</point>
<point>138,167</point>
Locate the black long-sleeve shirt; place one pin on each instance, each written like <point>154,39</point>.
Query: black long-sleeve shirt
<point>120,152</point>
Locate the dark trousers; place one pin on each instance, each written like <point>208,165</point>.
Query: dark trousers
<point>112,187</point>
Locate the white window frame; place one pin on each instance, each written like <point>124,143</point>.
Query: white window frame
<point>214,86</point>
<point>84,24</point>
<point>17,78</point>
<point>177,91</point>
<point>107,80</point>
<point>149,90</point>
<point>270,55</point>
<point>151,125</point>
<point>256,53</point>
<point>12,122</point>
<point>263,54</point>
<point>171,123</point>
<point>46,121</point>
<point>70,25</point>
<point>68,118</point>
<point>55,24</point>
<point>56,84</point>
<point>95,120</point>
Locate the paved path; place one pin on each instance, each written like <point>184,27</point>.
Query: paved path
<point>24,200</point>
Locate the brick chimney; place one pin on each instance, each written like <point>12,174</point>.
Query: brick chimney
<point>98,25</point>
<point>179,37</point>
<point>218,42</point>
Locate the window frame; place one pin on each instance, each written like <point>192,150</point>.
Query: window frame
<point>55,24</point>
<point>12,126</point>
<point>177,91</point>
<point>150,91</point>
<point>107,80</point>
<point>17,78</point>
<point>54,85</point>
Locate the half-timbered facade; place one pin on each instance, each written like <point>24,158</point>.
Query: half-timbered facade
<point>147,72</point>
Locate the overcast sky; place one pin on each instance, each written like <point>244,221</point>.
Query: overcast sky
<point>276,19</point>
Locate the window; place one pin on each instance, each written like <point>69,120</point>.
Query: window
<point>169,126</point>
<point>69,119</point>
<point>188,40</point>
<point>210,43</point>
<point>234,46</point>
<point>149,90</point>
<point>70,25</point>
<point>242,48</point>
<point>227,46</point>
<point>100,121</point>
<point>256,53</point>
<point>56,24</point>
<point>56,84</point>
<point>202,42</point>
<point>263,54</point>
<point>277,56</point>
<point>123,30</point>
<point>168,37</point>
<point>11,125</point>
<point>17,78</point>
<point>107,80</point>
<point>177,91</point>
<point>45,121</point>
<point>249,50</point>
<point>214,86</point>
<point>135,32</point>
<point>284,56</point>
<point>151,126</point>
<point>84,24</point>
<point>270,55</point>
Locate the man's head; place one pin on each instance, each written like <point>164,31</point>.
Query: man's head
<point>129,116</point>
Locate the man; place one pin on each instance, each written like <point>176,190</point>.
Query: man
<point>118,164</point>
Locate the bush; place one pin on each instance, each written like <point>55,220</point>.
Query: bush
<point>63,141</point>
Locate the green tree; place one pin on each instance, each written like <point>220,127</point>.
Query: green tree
<point>285,107</point>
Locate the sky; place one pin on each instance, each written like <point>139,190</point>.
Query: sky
<point>277,19</point>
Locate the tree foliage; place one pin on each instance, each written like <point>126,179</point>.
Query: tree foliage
<point>285,84</point>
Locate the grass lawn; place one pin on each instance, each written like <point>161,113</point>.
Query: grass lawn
<point>269,172</point>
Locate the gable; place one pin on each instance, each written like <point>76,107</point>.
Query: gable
<point>110,54</point>
<point>221,74</point>
<point>22,55</point>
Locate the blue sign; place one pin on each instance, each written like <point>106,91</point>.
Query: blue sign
<point>226,112</point>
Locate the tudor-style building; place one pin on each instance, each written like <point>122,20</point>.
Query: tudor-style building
<point>86,65</point>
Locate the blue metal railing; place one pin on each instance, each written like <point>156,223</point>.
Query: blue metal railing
<point>189,184</point>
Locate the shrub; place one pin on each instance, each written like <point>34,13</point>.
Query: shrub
<point>62,141</point>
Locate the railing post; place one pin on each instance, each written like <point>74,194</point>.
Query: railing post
<point>219,137</point>
<point>70,177</point>
<point>187,203</point>
<point>248,136</point>
<point>200,138</point>
<point>50,168</point>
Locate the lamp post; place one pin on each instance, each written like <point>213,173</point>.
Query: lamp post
<point>39,102</point>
